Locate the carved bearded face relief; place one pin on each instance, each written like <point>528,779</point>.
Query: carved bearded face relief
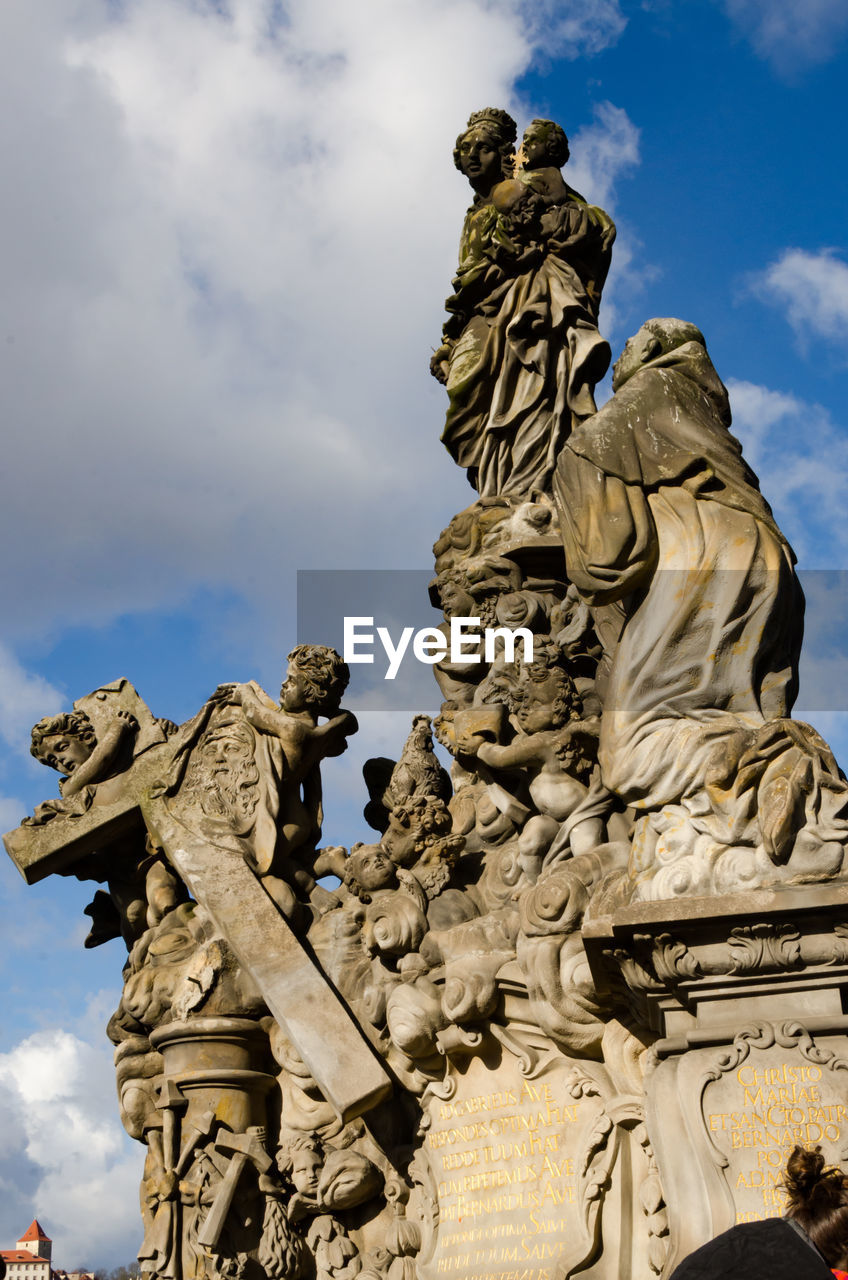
<point>223,776</point>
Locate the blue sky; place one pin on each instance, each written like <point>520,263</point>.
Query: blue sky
<point>229,231</point>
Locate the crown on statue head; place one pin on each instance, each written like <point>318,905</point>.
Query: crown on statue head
<point>502,121</point>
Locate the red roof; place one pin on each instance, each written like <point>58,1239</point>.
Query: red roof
<point>34,1231</point>
<point>19,1255</point>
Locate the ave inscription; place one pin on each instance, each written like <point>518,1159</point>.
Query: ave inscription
<point>504,1163</point>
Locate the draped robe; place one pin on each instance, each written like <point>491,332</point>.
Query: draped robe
<point>668,537</point>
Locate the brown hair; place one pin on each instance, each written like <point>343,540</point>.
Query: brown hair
<point>817,1199</point>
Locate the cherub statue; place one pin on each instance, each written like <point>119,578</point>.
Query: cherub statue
<point>417,853</point>
<point>555,745</point>
<point>369,871</point>
<point>315,681</point>
<point>69,744</point>
<point>579,233</point>
<point>95,746</point>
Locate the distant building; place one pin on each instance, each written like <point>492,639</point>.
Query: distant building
<point>31,1257</point>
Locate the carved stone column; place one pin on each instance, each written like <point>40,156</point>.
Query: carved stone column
<point>213,1092</point>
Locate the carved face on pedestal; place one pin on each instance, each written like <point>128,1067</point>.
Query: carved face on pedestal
<point>456,602</point>
<point>401,839</point>
<point>305,1164</point>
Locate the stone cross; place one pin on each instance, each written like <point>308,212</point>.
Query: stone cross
<point>323,1032</point>
<point>313,1016</point>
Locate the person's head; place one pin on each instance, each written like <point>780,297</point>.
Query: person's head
<point>315,681</point>
<point>817,1199</point>
<point>63,742</point>
<point>544,145</point>
<point>484,151</point>
<point>656,338</point>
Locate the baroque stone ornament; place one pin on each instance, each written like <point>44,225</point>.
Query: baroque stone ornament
<point>570,1006</point>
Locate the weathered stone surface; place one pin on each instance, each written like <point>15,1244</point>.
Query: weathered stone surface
<point>512,1155</point>
<point>570,1009</point>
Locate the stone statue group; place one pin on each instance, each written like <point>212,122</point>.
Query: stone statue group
<point>431,1054</point>
<point>667,539</point>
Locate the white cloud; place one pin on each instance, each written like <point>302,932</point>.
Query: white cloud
<point>756,410</point>
<point>64,1152</point>
<point>801,457</point>
<point>603,151</point>
<point>571,30</point>
<point>789,35</point>
<point>11,812</point>
<point>232,244</point>
<point>24,698</point>
<point>812,290</point>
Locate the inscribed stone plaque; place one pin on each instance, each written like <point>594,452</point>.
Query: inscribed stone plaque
<point>761,1106</point>
<point>505,1152</point>
<point>724,1119</point>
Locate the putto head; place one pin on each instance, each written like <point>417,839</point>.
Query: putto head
<point>462,597</point>
<point>62,742</point>
<point>368,869</point>
<point>545,685</point>
<point>545,144</point>
<point>316,679</point>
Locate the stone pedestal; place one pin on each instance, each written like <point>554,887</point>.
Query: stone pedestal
<point>531,1161</point>
<point>214,1099</point>
<point>752,1054</point>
